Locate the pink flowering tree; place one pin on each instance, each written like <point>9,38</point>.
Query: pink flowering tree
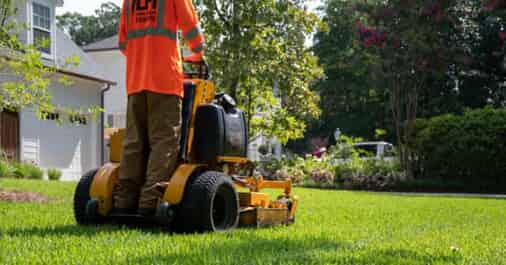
<point>408,38</point>
<point>413,43</point>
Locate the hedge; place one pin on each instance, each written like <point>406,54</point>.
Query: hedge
<point>469,148</point>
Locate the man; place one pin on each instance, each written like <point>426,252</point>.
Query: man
<point>148,39</point>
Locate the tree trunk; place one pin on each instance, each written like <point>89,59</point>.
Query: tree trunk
<point>404,97</point>
<point>250,112</point>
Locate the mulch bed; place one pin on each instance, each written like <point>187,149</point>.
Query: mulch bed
<point>22,196</point>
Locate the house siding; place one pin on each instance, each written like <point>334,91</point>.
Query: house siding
<point>113,64</point>
<point>74,149</point>
<point>22,16</point>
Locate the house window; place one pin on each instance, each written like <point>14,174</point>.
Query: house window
<point>42,27</point>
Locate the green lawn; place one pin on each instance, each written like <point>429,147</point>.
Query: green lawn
<point>333,227</point>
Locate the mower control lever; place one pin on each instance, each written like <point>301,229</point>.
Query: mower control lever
<point>198,69</point>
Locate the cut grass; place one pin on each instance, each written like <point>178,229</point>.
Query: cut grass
<point>332,227</point>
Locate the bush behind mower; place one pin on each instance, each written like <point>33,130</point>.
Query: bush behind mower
<point>208,191</point>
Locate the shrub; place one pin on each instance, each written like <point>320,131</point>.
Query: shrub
<point>342,165</point>
<point>36,172</point>
<point>54,174</point>
<point>470,148</point>
<point>374,175</point>
<point>21,171</point>
<point>28,171</point>
<point>6,169</point>
<point>296,175</point>
<point>322,177</point>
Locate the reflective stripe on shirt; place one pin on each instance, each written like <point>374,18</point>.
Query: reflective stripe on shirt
<point>159,30</point>
<point>192,34</point>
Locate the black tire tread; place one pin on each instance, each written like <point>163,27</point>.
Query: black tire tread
<point>193,212</point>
<point>81,198</point>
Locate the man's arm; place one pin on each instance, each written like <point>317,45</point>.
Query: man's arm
<point>189,23</point>
<point>122,38</point>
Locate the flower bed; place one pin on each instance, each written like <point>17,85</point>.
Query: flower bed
<point>341,167</point>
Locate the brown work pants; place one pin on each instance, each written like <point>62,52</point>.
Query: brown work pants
<point>150,149</point>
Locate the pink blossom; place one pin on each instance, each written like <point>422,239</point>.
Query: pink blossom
<point>371,36</point>
<point>493,4</point>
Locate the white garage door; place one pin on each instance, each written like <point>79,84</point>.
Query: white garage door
<point>71,148</point>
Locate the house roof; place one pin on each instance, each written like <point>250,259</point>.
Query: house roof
<point>87,68</point>
<point>110,43</point>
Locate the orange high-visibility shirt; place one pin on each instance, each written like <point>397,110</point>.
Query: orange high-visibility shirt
<point>148,38</point>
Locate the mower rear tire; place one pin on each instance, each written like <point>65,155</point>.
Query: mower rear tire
<point>210,203</point>
<point>83,212</point>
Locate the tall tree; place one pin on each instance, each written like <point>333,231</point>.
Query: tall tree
<point>481,35</point>
<point>88,29</point>
<point>351,100</point>
<point>421,43</point>
<point>409,39</point>
<point>258,54</point>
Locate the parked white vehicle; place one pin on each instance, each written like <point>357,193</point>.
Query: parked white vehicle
<point>379,150</point>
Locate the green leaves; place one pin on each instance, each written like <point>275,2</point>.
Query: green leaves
<point>88,29</point>
<point>26,79</point>
<point>256,49</point>
<point>351,99</point>
<point>469,148</point>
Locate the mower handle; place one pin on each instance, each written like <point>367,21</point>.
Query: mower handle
<point>203,72</point>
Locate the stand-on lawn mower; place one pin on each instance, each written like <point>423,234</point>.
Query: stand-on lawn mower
<point>207,191</point>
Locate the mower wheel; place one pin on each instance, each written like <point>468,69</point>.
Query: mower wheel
<point>210,203</point>
<point>83,212</point>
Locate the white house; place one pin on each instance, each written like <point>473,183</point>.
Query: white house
<point>75,146</point>
<point>107,53</point>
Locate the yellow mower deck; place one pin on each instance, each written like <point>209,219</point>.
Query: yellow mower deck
<point>256,208</point>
